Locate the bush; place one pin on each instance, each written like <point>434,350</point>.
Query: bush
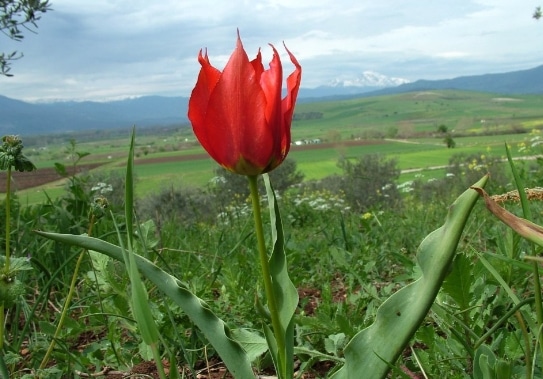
<point>367,183</point>
<point>180,205</point>
<point>468,169</point>
<point>110,184</point>
<point>229,187</point>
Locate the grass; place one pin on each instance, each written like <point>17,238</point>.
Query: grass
<point>337,253</point>
<point>194,173</point>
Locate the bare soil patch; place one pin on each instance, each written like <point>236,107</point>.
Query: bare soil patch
<point>24,180</point>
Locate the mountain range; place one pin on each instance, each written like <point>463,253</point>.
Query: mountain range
<point>19,117</point>
<point>369,81</point>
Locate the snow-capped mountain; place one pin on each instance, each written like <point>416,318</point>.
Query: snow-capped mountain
<point>369,79</point>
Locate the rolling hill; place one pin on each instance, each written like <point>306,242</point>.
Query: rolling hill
<point>18,117</point>
<point>523,82</point>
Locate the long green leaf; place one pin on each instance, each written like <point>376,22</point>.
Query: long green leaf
<point>370,352</point>
<point>285,291</point>
<point>139,297</point>
<point>215,330</point>
<point>458,284</point>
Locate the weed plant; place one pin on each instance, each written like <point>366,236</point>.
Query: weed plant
<point>345,257</point>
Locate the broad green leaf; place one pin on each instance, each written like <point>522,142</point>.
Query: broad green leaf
<point>457,285</point>
<point>373,349</point>
<point>285,292</point>
<point>253,343</point>
<point>335,343</point>
<point>503,369</point>
<point>215,330</point>
<point>483,363</point>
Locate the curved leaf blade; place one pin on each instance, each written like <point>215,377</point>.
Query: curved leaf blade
<point>215,330</point>
<point>373,349</point>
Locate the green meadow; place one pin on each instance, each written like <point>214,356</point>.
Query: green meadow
<point>353,246</point>
<point>401,127</point>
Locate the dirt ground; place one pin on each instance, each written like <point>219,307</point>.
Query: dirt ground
<point>24,180</point>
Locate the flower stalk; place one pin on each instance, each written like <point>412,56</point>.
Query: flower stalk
<point>67,301</point>
<point>11,156</point>
<point>8,223</point>
<point>267,279</point>
<point>8,247</point>
<point>240,117</point>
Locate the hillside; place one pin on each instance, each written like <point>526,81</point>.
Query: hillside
<point>18,117</point>
<point>412,113</point>
<point>45,118</point>
<point>511,83</point>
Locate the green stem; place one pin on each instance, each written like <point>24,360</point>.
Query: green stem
<point>8,218</point>
<point>66,303</point>
<point>158,362</point>
<point>63,314</point>
<point>1,326</point>
<point>527,347</point>
<point>528,216</point>
<point>4,373</point>
<point>8,255</point>
<point>268,285</point>
<point>538,302</point>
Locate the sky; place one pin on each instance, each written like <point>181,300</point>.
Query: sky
<point>104,50</point>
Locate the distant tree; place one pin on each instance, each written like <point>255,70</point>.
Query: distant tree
<point>442,128</point>
<point>449,141</point>
<point>16,15</point>
<point>368,182</point>
<point>537,13</point>
<point>391,132</point>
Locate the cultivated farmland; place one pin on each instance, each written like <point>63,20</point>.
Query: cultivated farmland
<point>403,127</point>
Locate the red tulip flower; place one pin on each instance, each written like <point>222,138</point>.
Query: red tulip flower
<point>238,114</point>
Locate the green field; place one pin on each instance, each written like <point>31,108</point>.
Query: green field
<point>406,124</point>
<point>418,112</point>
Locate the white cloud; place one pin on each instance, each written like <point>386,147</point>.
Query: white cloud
<point>95,49</point>
<point>452,54</point>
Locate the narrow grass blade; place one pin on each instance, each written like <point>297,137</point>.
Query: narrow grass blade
<point>215,330</point>
<point>371,351</point>
<point>139,297</point>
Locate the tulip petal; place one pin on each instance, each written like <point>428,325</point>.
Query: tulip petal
<point>235,115</point>
<point>238,114</point>
<point>257,65</point>
<point>293,85</point>
<point>207,80</point>
<point>271,82</point>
